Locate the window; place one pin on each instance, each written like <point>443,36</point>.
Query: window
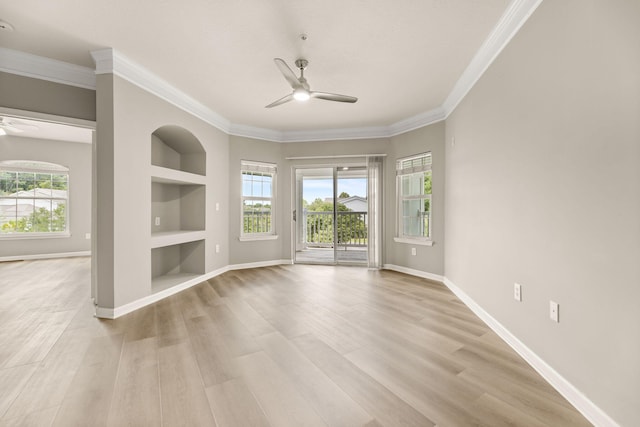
<point>33,199</point>
<point>258,200</point>
<point>413,176</point>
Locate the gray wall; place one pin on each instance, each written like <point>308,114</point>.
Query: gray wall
<point>75,156</point>
<point>256,250</point>
<point>429,259</point>
<point>543,189</point>
<point>25,93</point>
<point>127,117</point>
<point>431,138</point>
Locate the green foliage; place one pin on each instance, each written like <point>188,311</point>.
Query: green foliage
<point>344,195</point>
<point>351,228</point>
<point>40,221</point>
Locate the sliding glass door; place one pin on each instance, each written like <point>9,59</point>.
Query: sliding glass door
<point>331,215</point>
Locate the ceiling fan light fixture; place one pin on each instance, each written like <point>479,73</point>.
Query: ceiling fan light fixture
<point>301,94</point>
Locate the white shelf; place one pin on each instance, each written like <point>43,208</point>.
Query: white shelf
<point>161,283</point>
<point>169,238</point>
<point>173,176</point>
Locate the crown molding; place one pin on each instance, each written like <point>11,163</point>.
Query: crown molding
<point>256,132</point>
<point>371,132</point>
<point>39,67</point>
<point>517,13</point>
<point>111,61</point>
<point>419,120</point>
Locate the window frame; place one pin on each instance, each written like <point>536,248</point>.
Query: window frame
<point>37,167</point>
<point>249,166</point>
<point>418,164</point>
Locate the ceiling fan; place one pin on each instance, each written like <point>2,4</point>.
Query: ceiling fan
<point>8,125</point>
<point>301,89</point>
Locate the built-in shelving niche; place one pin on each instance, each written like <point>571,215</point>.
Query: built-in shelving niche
<point>178,208</point>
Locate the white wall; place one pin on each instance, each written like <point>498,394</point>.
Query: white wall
<point>75,156</point>
<point>543,189</point>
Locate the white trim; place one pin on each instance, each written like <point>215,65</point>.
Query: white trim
<point>418,121</point>
<point>110,61</point>
<point>371,132</point>
<point>585,406</point>
<point>517,13</point>
<point>113,313</point>
<point>413,272</point>
<point>259,264</point>
<point>419,242</point>
<point>339,156</point>
<point>39,67</point>
<point>45,256</point>
<point>257,237</point>
<point>22,235</point>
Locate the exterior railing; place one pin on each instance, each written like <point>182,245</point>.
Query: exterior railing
<point>319,229</point>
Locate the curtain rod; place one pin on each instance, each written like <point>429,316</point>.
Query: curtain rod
<point>339,156</point>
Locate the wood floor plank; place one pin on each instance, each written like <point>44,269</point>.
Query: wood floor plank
<point>88,398</point>
<point>171,327</point>
<point>497,413</point>
<point>288,345</point>
<point>254,322</point>
<point>52,377</point>
<point>233,405</point>
<point>184,400</point>
<point>386,407</point>
<point>278,397</point>
<point>442,398</point>
<point>13,381</point>
<point>43,418</point>
<point>136,394</point>
<point>540,404</point>
<point>213,357</point>
<point>334,406</point>
<point>238,340</point>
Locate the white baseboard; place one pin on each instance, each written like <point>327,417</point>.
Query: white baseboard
<point>113,313</point>
<point>260,264</point>
<point>585,406</point>
<point>413,272</point>
<point>45,256</point>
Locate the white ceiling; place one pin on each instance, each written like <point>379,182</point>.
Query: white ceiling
<point>400,58</point>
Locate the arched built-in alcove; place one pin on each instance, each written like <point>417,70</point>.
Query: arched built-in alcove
<point>178,208</point>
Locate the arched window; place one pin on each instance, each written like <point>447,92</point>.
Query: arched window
<point>34,197</point>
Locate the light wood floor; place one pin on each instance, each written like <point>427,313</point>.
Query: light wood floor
<point>278,346</point>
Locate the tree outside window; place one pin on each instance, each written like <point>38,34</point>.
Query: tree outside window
<point>33,198</point>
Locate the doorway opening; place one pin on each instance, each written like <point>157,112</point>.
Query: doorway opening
<point>331,215</point>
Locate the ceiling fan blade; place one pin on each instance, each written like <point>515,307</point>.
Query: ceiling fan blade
<point>287,72</point>
<point>333,97</point>
<point>10,128</point>
<point>280,101</point>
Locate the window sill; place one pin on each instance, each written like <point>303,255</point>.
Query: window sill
<point>251,238</point>
<point>30,236</point>
<point>413,241</point>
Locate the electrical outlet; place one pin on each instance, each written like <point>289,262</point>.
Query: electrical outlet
<point>87,236</point>
<point>217,249</point>
<point>413,251</point>
<point>554,311</point>
<point>157,221</point>
<point>217,206</point>
<point>517,292</point>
